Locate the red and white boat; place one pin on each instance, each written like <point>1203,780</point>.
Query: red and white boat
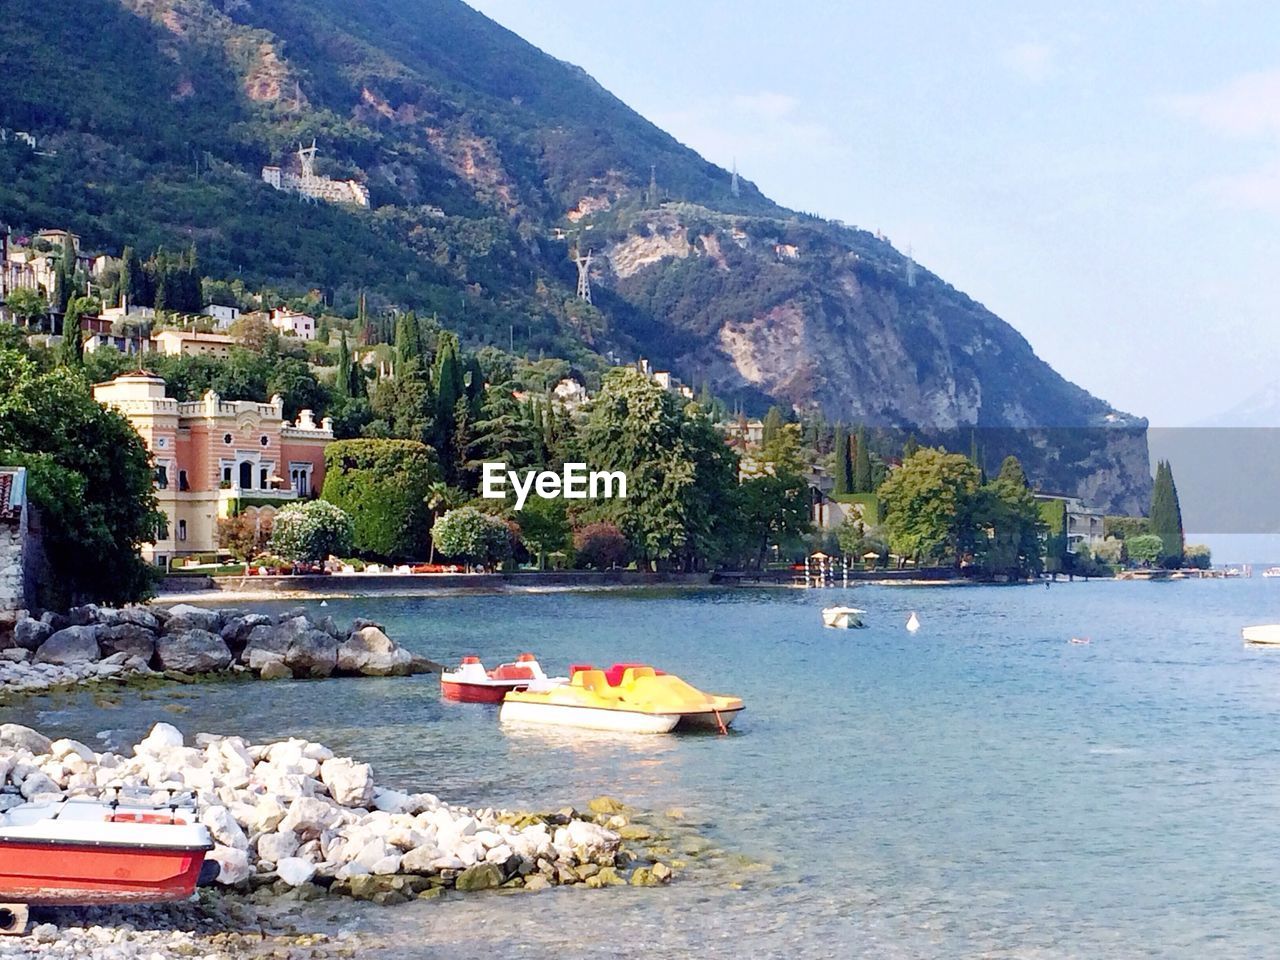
<point>85,850</point>
<point>471,683</point>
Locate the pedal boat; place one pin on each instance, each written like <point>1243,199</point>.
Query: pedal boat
<point>842,617</point>
<point>471,683</point>
<point>85,850</point>
<point>630,698</point>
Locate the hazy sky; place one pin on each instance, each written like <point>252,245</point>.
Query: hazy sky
<point>1106,181</point>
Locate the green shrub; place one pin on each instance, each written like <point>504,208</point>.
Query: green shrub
<point>310,532</point>
<point>383,487</point>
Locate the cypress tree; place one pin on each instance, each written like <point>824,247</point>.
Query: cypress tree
<point>910,448</point>
<point>133,281</point>
<point>773,424</point>
<point>1166,515</point>
<point>342,385</point>
<point>862,464</point>
<point>71,351</point>
<point>408,343</point>
<point>843,469</point>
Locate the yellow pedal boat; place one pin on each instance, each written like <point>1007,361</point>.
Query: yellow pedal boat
<point>631,698</point>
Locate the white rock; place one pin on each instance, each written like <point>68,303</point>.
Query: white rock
<point>234,864</point>
<point>224,828</point>
<point>163,737</point>
<point>386,866</point>
<point>61,749</point>
<point>295,871</point>
<point>392,801</point>
<point>309,817</point>
<point>348,782</point>
<point>277,846</point>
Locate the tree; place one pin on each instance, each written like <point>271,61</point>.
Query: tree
<point>440,498</point>
<point>409,349</point>
<point>342,382</point>
<point>842,467</point>
<point>679,471</point>
<point>382,485</point>
<point>244,536</point>
<point>862,465</point>
<point>310,532</point>
<point>1110,551</point>
<point>771,510</point>
<point>930,502</point>
<point>910,447</point>
<point>1008,525</point>
<point>71,353</point>
<point>92,480</point>
<point>472,536</point>
<point>28,306</point>
<point>1145,548</point>
<point>133,280</point>
<point>1166,515</point>
<point>449,388</point>
<point>781,452</point>
<point>1198,555</point>
<point>544,527</point>
<point>773,423</point>
<point>600,545</point>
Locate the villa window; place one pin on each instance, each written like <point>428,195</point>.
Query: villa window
<point>264,479</point>
<point>226,476</point>
<point>246,475</point>
<point>182,480</point>
<point>162,477</point>
<point>182,530</point>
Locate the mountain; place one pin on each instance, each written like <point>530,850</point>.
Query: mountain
<point>1259,409</point>
<point>487,162</point>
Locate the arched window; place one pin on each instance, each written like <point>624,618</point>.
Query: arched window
<point>246,475</point>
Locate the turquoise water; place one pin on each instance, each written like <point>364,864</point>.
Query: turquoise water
<point>982,788</point>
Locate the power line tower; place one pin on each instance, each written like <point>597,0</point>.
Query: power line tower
<point>307,158</point>
<point>584,275</point>
<point>733,184</point>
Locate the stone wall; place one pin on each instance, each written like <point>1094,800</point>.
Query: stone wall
<point>14,543</point>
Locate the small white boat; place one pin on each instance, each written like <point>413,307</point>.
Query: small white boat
<point>1271,572</point>
<point>1263,634</point>
<point>913,622</point>
<point>842,617</point>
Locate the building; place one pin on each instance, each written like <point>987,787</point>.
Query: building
<point>313,187</point>
<point>17,552</point>
<point>100,332</point>
<point>191,343</point>
<point>1085,525</point>
<point>570,394</point>
<point>301,325</point>
<point>217,457</point>
<point>223,316</point>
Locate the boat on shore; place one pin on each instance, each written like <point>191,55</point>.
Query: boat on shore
<point>86,850</point>
<point>472,683</point>
<point>1262,635</point>
<point>1271,572</point>
<point>629,698</point>
<point>842,618</point>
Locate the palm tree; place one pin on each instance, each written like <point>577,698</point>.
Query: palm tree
<point>440,499</point>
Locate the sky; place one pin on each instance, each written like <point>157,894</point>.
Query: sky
<point>1106,180</point>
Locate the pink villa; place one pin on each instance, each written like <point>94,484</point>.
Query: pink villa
<point>216,457</point>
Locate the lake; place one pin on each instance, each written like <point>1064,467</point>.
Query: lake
<point>980,788</point>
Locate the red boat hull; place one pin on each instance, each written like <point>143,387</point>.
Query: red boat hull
<point>52,874</point>
<point>476,692</point>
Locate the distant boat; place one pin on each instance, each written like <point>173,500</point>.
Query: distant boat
<point>1271,572</point>
<point>913,622</point>
<point>842,617</point>
<point>1080,640</point>
<point>1263,635</point>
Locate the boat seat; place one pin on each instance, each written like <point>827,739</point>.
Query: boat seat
<point>575,667</point>
<point>632,674</point>
<point>615,672</point>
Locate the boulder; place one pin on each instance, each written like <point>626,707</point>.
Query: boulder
<point>224,827</point>
<point>371,652</point>
<point>185,617</point>
<point>359,623</point>
<point>139,617</point>
<point>83,616</point>
<point>309,817</point>
<point>275,670</point>
<point>29,633</point>
<point>237,629</point>
<point>127,638</point>
<point>295,871</point>
<point>277,846</point>
<point>162,738</point>
<point>17,737</point>
<point>348,782</point>
<point>482,876</point>
<point>233,864</point>
<point>70,645</point>
<point>294,613</point>
<point>263,645</point>
<point>312,654</point>
<point>192,651</point>
<point>15,655</point>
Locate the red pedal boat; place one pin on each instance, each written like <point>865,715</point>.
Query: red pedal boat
<point>84,850</point>
<point>471,683</point>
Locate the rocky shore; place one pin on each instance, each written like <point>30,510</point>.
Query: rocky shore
<point>92,644</point>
